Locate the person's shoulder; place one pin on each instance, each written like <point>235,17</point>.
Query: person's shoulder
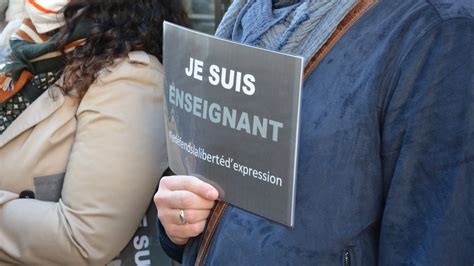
<point>454,17</point>
<point>417,20</point>
<point>136,60</point>
<point>138,66</point>
<point>144,59</point>
<point>136,75</point>
<point>434,15</point>
<point>420,13</point>
<point>453,9</point>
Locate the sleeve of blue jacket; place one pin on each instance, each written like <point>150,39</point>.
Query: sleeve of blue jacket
<point>171,249</point>
<point>428,151</point>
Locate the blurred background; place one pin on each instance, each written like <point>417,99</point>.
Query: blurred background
<point>205,15</point>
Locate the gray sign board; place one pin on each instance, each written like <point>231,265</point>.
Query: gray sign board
<point>232,118</point>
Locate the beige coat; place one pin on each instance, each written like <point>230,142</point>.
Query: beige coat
<point>93,167</point>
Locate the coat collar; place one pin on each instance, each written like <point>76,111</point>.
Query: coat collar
<point>39,110</point>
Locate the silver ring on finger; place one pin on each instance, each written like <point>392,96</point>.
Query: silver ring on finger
<point>182,219</point>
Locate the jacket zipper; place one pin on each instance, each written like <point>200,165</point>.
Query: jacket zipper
<point>206,244</point>
<point>346,258</point>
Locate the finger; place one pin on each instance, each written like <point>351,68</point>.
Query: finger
<point>182,199</point>
<point>190,183</point>
<point>184,231</point>
<point>191,216</point>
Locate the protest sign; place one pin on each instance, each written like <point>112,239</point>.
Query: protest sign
<point>232,119</point>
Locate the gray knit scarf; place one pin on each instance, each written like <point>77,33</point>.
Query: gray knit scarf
<point>298,27</point>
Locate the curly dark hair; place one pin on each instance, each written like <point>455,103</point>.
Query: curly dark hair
<point>116,28</point>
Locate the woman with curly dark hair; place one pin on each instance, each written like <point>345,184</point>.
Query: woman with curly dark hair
<point>82,139</point>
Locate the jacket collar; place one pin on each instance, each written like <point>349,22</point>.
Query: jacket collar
<point>39,110</point>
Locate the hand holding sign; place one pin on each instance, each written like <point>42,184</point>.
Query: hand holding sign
<point>190,195</point>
